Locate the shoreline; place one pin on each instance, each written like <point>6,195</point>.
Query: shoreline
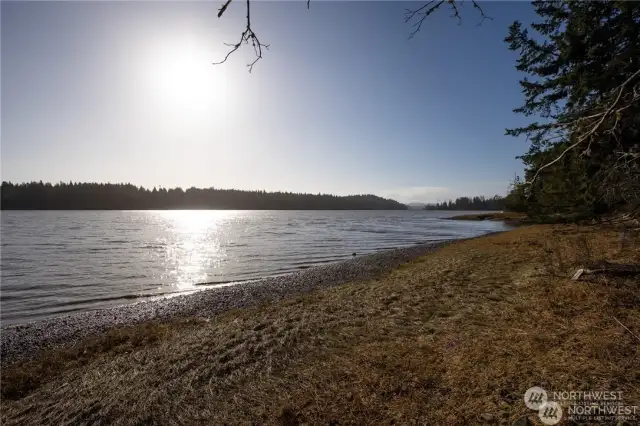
<point>20,342</point>
<point>508,218</point>
<point>455,336</point>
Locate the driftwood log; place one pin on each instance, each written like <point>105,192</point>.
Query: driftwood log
<point>607,268</point>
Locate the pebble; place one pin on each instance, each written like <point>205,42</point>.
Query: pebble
<point>20,342</point>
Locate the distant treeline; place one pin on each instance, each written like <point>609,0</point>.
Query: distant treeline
<point>467,203</point>
<point>107,196</point>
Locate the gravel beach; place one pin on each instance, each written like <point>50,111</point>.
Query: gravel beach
<point>23,341</point>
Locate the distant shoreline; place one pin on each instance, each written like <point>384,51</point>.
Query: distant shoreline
<point>460,217</point>
<point>509,218</point>
<point>203,208</point>
<point>108,196</point>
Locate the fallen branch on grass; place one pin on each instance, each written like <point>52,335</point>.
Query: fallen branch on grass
<point>606,268</point>
<point>626,328</point>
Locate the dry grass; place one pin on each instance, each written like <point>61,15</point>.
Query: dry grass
<point>22,378</point>
<point>455,337</point>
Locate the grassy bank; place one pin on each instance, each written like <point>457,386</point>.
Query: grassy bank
<point>455,337</point>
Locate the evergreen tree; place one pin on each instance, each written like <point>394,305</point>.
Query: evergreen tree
<point>583,64</point>
<point>466,203</point>
<point>107,196</point>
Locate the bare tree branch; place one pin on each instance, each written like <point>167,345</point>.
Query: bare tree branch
<point>420,14</point>
<point>591,132</point>
<point>424,11</point>
<point>456,13</point>
<point>247,36</point>
<point>223,8</point>
<point>484,17</point>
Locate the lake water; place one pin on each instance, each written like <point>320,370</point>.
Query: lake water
<point>57,262</point>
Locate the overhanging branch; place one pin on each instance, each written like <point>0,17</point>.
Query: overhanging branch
<point>589,134</point>
<point>420,14</point>
<point>247,36</point>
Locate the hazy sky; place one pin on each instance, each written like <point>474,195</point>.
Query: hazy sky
<point>343,102</point>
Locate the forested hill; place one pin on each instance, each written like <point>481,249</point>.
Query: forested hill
<point>101,196</point>
<point>470,203</point>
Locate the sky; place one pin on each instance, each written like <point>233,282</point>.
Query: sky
<point>343,101</point>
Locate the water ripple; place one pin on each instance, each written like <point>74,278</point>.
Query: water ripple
<point>57,262</point>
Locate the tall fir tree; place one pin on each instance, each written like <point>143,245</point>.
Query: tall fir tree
<point>583,84</point>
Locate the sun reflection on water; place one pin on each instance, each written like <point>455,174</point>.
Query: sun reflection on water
<point>194,245</point>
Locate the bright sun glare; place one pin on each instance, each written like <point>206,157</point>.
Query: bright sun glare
<point>194,250</point>
<point>180,73</point>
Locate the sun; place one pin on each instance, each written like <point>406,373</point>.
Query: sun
<point>180,73</point>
